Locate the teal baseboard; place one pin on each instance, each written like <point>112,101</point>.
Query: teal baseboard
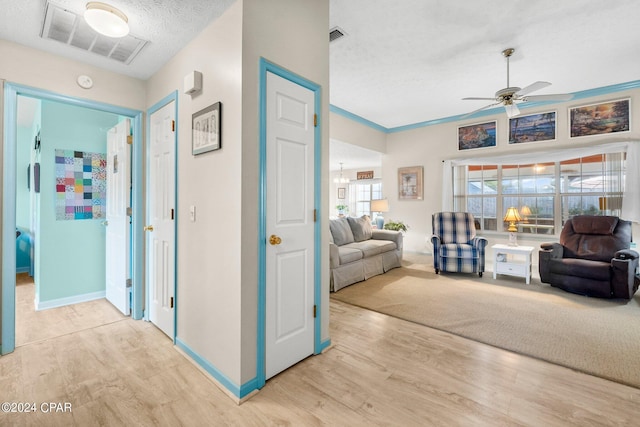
<point>238,391</point>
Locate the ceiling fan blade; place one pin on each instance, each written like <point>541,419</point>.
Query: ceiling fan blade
<point>550,97</point>
<point>532,88</point>
<point>478,99</point>
<point>512,110</point>
<point>480,109</point>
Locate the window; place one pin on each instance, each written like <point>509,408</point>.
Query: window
<point>361,194</point>
<point>545,194</point>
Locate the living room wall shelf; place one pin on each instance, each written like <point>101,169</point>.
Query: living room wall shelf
<point>512,260</point>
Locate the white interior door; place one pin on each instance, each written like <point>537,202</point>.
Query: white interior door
<point>118,224</point>
<point>289,324</point>
<point>160,223</point>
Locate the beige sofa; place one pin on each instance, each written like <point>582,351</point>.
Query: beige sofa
<point>358,252</point>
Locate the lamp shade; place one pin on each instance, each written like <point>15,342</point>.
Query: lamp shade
<point>525,211</point>
<point>512,215</point>
<point>380,205</point>
<point>106,20</point>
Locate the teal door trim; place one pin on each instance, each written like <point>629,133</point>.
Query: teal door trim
<point>11,93</point>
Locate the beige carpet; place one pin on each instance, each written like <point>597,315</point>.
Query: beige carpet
<point>596,336</point>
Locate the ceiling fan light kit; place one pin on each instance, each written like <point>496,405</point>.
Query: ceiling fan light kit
<point>510,94</point>
<point>106,19</point>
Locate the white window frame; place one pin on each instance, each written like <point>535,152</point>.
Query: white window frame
<point>631,195</point>
<point>358,205</point>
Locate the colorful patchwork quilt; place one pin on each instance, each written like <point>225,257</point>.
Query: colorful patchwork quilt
<point>81,183</point>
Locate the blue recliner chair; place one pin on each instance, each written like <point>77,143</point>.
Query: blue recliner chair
<point>456,248</point>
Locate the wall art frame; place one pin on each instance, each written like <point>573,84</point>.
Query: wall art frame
<point>410,183</point>
<point>206,128</point>
<point>342,192</point>
<point>478,135</point>
<point>601,118</point>
<point>533,128</point>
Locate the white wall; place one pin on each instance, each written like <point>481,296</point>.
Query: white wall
<point>294,35</point>
<point>38,69</point>
<point>218,254</point>
<point>352,132</point>
<point>209,264</point>
<point>429,146</point>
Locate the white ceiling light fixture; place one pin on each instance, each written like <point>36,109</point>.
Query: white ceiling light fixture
<point>341,180</point>
<point>106,20</point>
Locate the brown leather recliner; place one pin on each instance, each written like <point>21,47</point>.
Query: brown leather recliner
<point>593,258</point>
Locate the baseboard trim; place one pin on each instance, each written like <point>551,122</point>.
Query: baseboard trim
<point>237,394</point>
<point>61,302</point>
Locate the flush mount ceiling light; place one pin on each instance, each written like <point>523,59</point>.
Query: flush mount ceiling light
<point>106,20</point>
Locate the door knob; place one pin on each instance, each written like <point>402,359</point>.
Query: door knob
<point>148,228</point>
<point>275,240</point>
<point>105,223</point>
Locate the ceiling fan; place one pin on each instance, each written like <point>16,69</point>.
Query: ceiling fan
<point>509,95</point>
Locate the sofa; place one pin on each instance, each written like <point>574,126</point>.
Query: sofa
<point>358,252</point>
<point>593,258</point>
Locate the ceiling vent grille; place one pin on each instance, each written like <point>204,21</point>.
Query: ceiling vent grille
<point>336,33</point>
<point>71,29</point>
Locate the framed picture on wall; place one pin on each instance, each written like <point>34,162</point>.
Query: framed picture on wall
<point>341,192</point>
<point>597,119</point>
<point>532,128</point>
<point>410,183</point>
<point>480,135</point>
<point>206,129</point>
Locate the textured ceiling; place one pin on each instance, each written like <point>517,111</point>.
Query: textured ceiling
<point>410,61</point>
<point>168,24</point>
<point>406,61</point>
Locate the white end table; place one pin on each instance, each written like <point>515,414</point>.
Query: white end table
<point>512,260</point>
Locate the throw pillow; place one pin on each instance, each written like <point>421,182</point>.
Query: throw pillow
<point>361,228</point>
<point>341,231</point>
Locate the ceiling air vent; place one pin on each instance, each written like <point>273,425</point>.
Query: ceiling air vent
<point>335,33</point>
<point>71,29</point>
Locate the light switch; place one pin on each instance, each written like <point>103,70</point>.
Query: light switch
<point>192,213</point>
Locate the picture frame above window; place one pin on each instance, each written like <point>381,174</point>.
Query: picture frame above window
<point>479,135</point>
<point>533,128</point>
<point>410,183</point>
<point>206,128</point>
<point>601,118</point>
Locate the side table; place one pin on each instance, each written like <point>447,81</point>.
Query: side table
<point>512,260</point>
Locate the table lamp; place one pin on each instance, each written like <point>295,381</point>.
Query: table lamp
<point>526,213</point>
<point>512,216</point>
<point>379,206</point>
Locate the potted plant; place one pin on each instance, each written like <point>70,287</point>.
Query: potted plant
<point>342,209</point>
<point>396,226</point>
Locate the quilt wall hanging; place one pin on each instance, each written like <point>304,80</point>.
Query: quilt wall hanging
<point>81,185</point>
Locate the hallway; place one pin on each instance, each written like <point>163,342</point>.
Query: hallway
<point>380,371</point>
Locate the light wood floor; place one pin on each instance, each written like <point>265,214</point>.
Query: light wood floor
<point>380,371</point>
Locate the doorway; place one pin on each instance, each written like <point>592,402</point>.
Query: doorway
<point>11,93</point>
<point>161,215</point>
<point>268,273</point>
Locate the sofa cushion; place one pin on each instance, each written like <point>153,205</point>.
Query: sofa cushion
<point>370,248</point>
<point>586,224</point>
<point>348,254</point>
<point>595,270</point>
<point>460,250</point>
<point>341,231</point>
<point>361,228</point>
<point>454,227</point>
